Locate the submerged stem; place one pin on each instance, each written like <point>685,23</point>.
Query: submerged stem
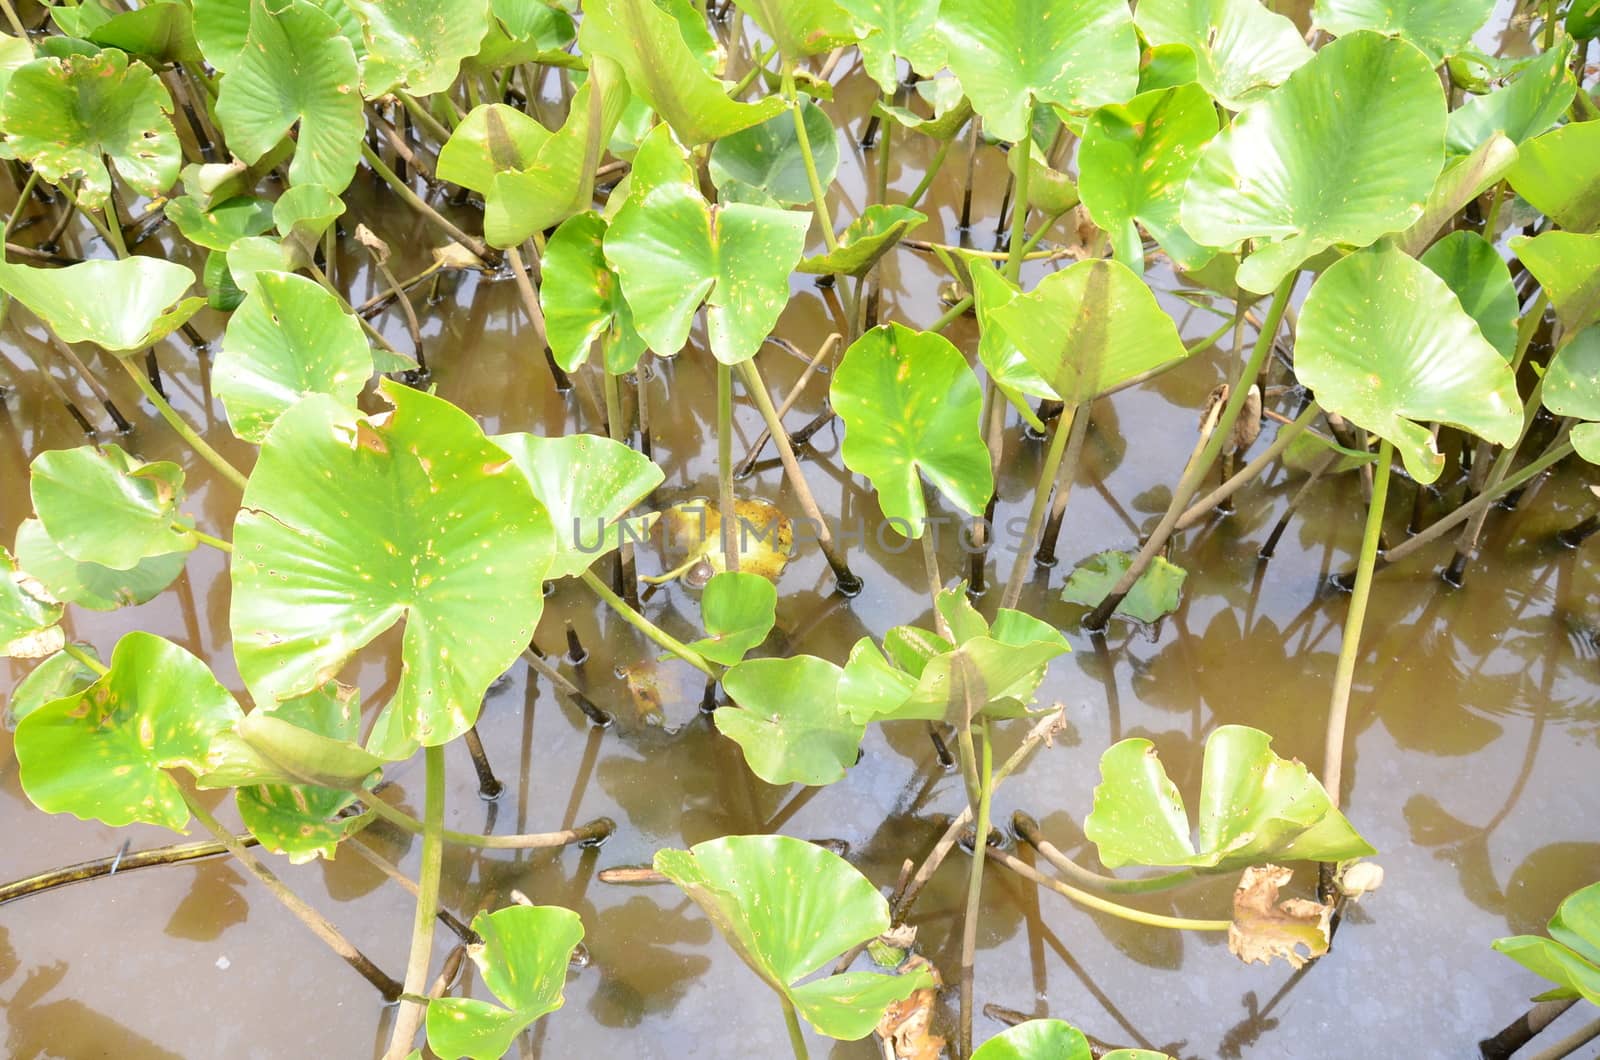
<point>319,924</point>
<point>410,1016</point>
<point>980,845</point>
<point>727,519</point>
<point>168,413</point>
<point>595,830</point>
<point>1041,501</point>
<point>1105,905</point>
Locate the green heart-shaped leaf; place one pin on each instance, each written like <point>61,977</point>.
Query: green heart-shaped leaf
<point>102,754</point>
<point>220,225</point>
<point>582,299</point>
<point>1132,165</point>
<point>493,138</point>
<point>351,522</point>
<point>1570,958</point>
<point>1345,151</point>
<point>1239,47</point>
<point>523,961</point>
<point>1535,100</point>
<point>649,46</point>
<point>1567,266</point>
<point>890,30</point>
<point>162,30</point>
<point>764,165</point>
<point>1437,29</point>
<point>788,721</point>
<point>1011,54</point>
<point>296,66</point>
<point>1556,173</point>
<point>303,213</point>
<point>66,117</point>
<point>418,43</point>
<point>289,339</point>
<point>946,99</point>
<point>673,251</point>
<point>93,585</point>
<point>1481,281</point>
<point>587,484</point>
<point>1571,388</point>
<point>28,614</point>
<point>1385,343</point>
<point>1158,591</point>
<point>525,31</point>
<point>865,240</point>
<point>787,907</point>
<point>104,506</point>
<point>1254,807</point>
<point>1051,1040</point>
<point>738,611</point>
<point>911,406</point>
<point>121,306</point>
<point>1089,328</point>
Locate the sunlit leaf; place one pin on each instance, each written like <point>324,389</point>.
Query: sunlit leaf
<point>582,299</point>
<point>1133,162</point>
<point>787,907</point>
<point>764,165</point>
<point>92,585</point>
<point>102,754</point>
<point>1002,359</point>
<point>219,225</point>
<point>296,67</point>
<point>67,117</point>
<point>788,720</point>
<point>738,611</point>
<point>1570,957</point>
<point>1345,151</point>
<point>418,43</point>
<point>894,30</point>
<point>1532,102</point>
<point>587,484</point>
<point>1481,281</point>
<point>1254,807</point>
<point>1567,266</point>
<point>28,614</point>
<point>100,505</point>
<point>865,240</point>
<point>1385,343</point>
<point>523,960</point>
<point>1438,29</point>
<point>1158,591</point>
<point>303,213</point>
<point>905,423</point>
<point>1241,48</point>
<point>801,27</point>
<point>649,46</point>
<point>1556,173</point>
<point>1012,54</point>
<point>54,678</point>
<point>119,305</point>
<point>351,522</point>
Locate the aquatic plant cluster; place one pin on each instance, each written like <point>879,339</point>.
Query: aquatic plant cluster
<point>1406,229</point>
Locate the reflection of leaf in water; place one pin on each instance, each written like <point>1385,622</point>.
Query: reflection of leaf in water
<point>8,956</point>
<point>1543,879</point>
<point>650,972</point>
<point>214,903</point>
<point>644,691</point>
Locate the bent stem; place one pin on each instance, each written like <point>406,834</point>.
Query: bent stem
<point>1026,827</point>
<point>1066,425</point>
<point>819,195</point>
<point>410,1015</point>
<point>1105,905</point>
<point>168,413</point>
<point>85,658</point>
<point>1286,436</point>
<point>980,844</point>
<point>649,628</point>
<point>595,830</point>
<point>319,924</point>
<point>1195,473</point>
<point>791,1019</point>
<point>1349,648</point>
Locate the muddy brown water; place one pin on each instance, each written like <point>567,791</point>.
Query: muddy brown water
<point>1471,755</point>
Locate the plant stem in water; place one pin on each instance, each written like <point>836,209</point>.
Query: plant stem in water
<point>1286,435</point>
<point>410,1015</point>
<point>1195,472</point>
<point>1019,208</point>
<point>727,520</point>
<point>797,1038</point>
<point>649,628</point>
<point>1105,905</point>
<point>476,246</point>
<point>168,413</point>
<point>819,195</point>
<point>1048,474</point>
<point>980,845</point>
<point>319,924</point>
<point>1350,647</point>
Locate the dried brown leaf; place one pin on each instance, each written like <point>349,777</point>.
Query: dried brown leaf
<point>905,1024</point>
<point>1264,927</point>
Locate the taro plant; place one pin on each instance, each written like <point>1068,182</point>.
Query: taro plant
<point>1396,232</point>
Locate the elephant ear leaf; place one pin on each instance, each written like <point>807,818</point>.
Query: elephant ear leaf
<point>1438,30</point>
<point>418,43</point>
<point>296,67</point>
<point>28,614</point>
<point>1345,151</point>
<point>788,721</point>
<point>105,507</point>
<point>787,907</point>
<point>67,116</point>
<point>103,753</point>
<point>1240,48</point>
<point>890,30</point>
<point>1567,266</point>
<point>1051,1040</point>
<point>1572,388</point>
<point>1386,344</point>
<point>1570,957</point>
<point>522,957</point>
